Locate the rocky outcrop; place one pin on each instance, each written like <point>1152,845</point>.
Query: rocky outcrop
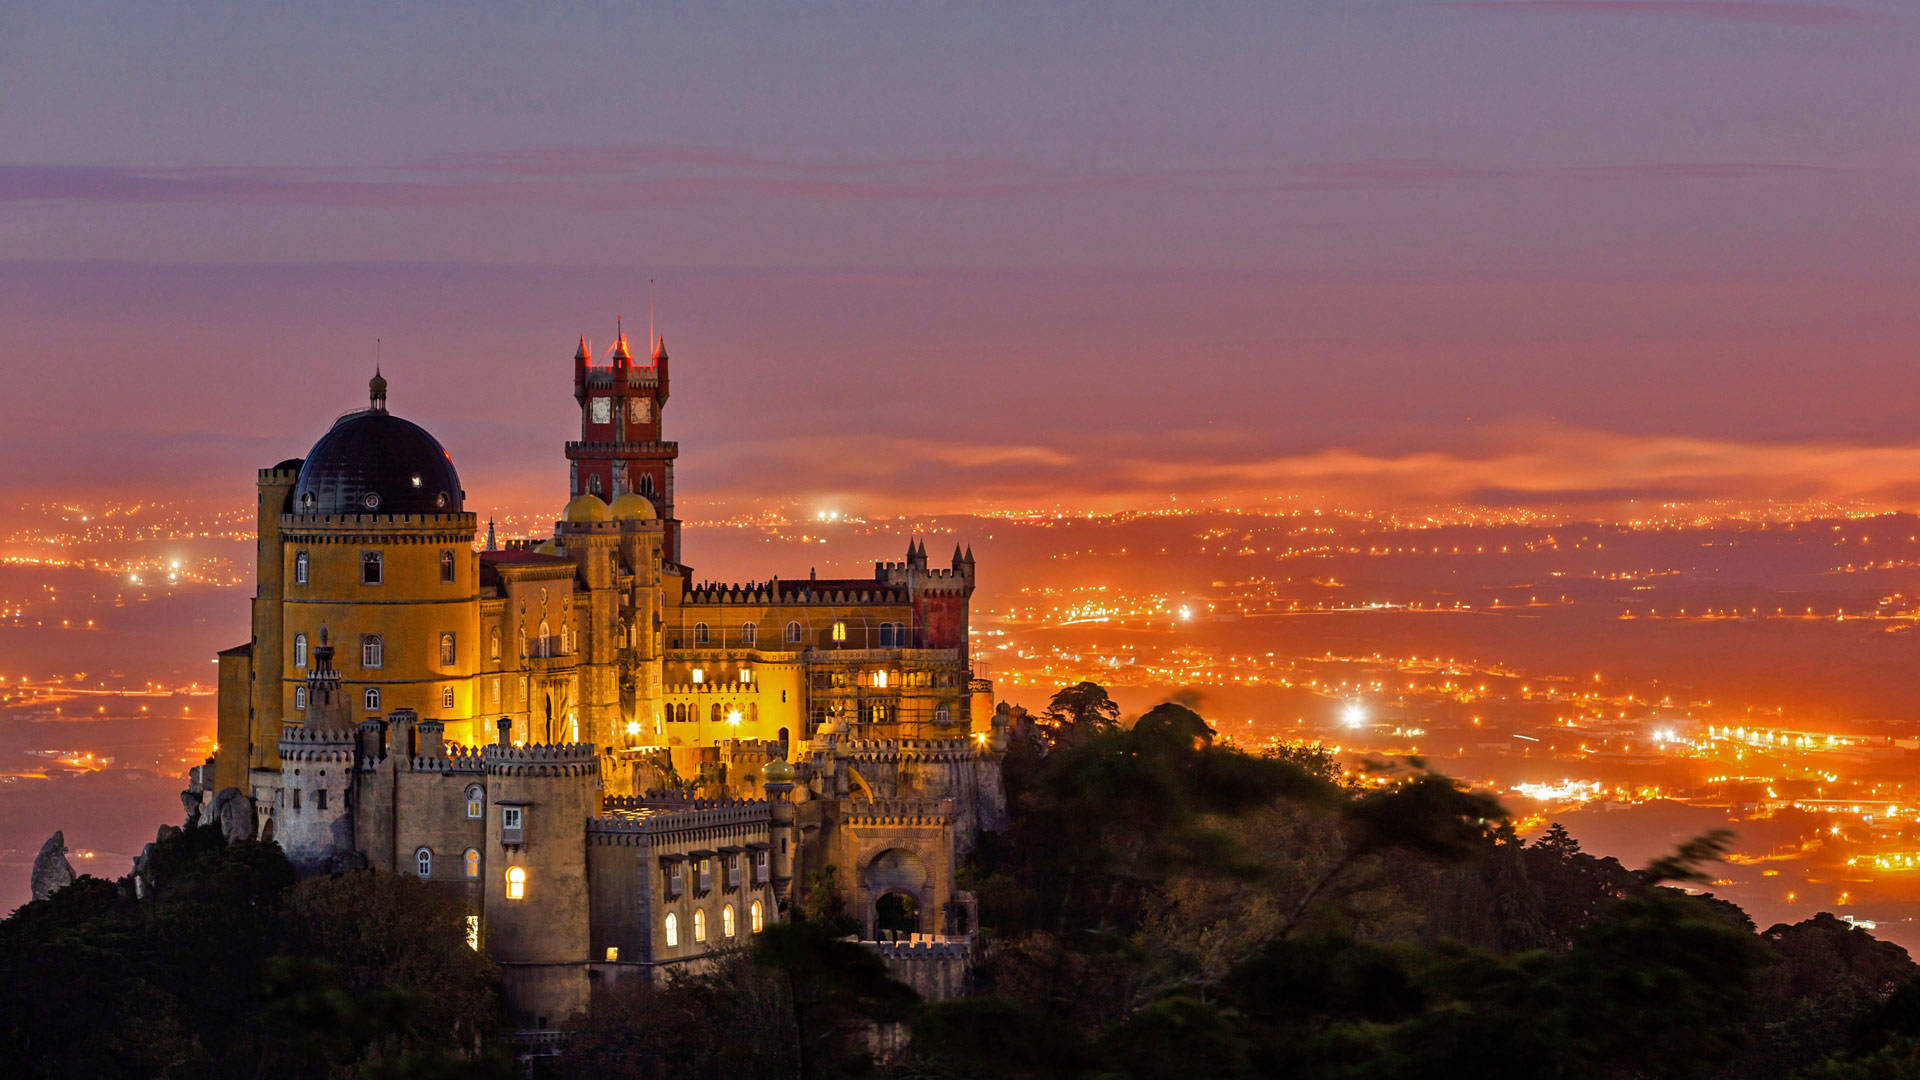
<point>233,812</point>
<point>51,870</point>
<point>190,801</point>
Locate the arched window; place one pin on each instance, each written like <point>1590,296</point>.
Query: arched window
<point>446,698</point>
<point>942,714</point>
<point>646,486</point>
<point>373,651</point>
<point>446,649</point>
<point>726,921</point>
<point>699,633</point>
<point>516,883</point>
<point>423,861</point>
<point>793,633</point>
<point>476,802</point>
<point>546,631</point>
<point>756,918</point>
<point>839,632</point>
<point>446,568</point>
<point>715,713</point>
<point>672,927</point>
<point>523,643</point>
<point>370,568</point>
<point>299,650</point>
<point>299,697</point>
<point>473,865</point>
<point>699,926</point>
<point>593,483</point>
<point>493,644</point>
<point>886,635</point>
<point>373,699</point>
<point>300,568</point>
<point>748,632</point>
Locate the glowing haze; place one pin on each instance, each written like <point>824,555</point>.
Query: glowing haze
<point>1535,252</point>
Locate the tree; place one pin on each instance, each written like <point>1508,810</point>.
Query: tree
<point>1079,710</point>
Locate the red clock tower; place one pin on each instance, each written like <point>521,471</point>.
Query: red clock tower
<point>620,449</point>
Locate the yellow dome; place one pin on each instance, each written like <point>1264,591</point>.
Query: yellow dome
<point>632,507</point>
<point>586,508</point>
<point>779,772</point>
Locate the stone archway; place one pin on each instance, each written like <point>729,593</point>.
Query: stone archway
<point>895,882</point>
<point>896,916</point>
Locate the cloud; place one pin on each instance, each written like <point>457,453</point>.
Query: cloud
<point>1519,465</point>
<point>1746,11</point>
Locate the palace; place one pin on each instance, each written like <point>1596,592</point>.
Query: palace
<point>616,767</point>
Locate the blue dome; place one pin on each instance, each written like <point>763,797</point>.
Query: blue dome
<point>373,462</point>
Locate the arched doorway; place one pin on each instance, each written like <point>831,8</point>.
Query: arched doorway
<point>896,916</point>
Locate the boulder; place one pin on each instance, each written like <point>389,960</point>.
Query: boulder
<point>191,802</point>
<point>233,812</point>
<point>51,870</point>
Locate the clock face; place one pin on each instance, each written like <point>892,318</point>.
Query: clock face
<point>602,410</point>
<point>639,410</point>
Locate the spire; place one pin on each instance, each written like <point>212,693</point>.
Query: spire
<point>620,350</point>
<point>377,391</point>
<point>660,349</point>
<point>583,352</point>
<point>969,557</point>
<point>957,557</point>
<point>492,544</point>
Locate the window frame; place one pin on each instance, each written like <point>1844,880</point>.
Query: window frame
<point>300,698</point>
<point>373,652</point>
<point>470,862</point>
<point>701,635</point>
<point>300,650</point>
<point>795,632</point>
<point>302,567</point>
<point>446,566</point>
<point>423,861</point>
<point>749,634</point>
<point>516,881</point>
<point>370,699</point>
<point>373,568</point>
<point>476,802</point>
<point>670,926</point>
<point>449,651</point>
<point>839,632</point>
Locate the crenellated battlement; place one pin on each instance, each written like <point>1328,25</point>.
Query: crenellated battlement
<point>457,759</point>
<point>899,811</point>
<point>541,759</point>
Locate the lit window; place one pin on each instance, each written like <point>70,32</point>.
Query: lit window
<point>446,698</point>
<point>516,883</point>
<point>300,568</point>
<point>476,802</point>
<point>672,928</point>
<point>756,917</point>
<point>369,568</point>
<point>546,638</point>
<point>748,632</point>
<point>699,926</point>
<point>299,697</point>
<point>299,650</point>
<point>699,633</point>
<point>446,649</point>
<point>839,631</point>
<point>793,633</point>
<point>423,861</point>
<point>880,679</point>
<point>613,953</point>
<point>726,921</point>
<point>699,675</point>
<point>473,865</point>
<point>372,651</point>
<point>446,568</point>
<point>373,699</point>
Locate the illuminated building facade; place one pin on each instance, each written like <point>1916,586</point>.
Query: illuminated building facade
<point>621,769</point>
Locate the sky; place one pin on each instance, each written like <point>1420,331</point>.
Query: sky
<point>933,257</point>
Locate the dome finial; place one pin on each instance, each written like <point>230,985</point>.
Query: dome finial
<point>377,391</point>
